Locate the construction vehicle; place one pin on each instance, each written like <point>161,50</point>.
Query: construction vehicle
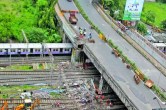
<point>72,18</point>
<point>28,105</point>
<point>20,107</point>
<point>4,106</point>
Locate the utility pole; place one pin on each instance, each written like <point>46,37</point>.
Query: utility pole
<point>10,52</point>
<point>27,41</point>
<point>51,63</point>
<point>155,98</point>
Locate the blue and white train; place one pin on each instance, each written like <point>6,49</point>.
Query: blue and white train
<point>35,48</point>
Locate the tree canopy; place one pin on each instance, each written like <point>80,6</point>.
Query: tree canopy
<point>36,17</point>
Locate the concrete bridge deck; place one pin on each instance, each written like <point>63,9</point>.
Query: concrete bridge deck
<point>135,97</point>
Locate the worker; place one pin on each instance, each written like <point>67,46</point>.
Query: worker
<point>80,31</point>
<point>102,97</point>
<point>84,32</point>
<point>111,105</point>
<point>57,104</point>
<point>90,36</point>
<point>108,102</point>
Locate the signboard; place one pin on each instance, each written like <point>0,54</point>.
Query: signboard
<point>133,10</point>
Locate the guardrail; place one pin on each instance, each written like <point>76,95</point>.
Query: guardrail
<point>68,30</point>
<point>149,44</point>
<point>142,42</point>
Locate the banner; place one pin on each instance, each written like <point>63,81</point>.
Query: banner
<point>133,10</point>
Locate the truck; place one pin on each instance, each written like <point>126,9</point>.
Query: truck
<point>73,19</point>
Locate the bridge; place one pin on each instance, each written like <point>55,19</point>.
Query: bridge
<point>120,79</point>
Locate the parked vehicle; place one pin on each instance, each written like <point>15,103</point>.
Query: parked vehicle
<point>72,18</point>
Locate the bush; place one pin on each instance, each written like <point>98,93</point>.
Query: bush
<point>163,24</point>
<point>142,28</point>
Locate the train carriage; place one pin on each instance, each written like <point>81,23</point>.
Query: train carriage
<point>35,48</point>
<point>58,48</point>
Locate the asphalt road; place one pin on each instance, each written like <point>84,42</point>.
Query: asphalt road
<point>139,94</point>
<point>146,67</point>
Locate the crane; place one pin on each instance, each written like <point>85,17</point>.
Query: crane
<point>4,106</point>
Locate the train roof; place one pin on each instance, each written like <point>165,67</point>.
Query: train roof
<point>34,45</point>
<point>159,44</point>
<point>19,45</point>
<point>58,45</point>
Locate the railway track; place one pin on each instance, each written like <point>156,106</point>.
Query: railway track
<point>45,104</point>
<point>23,60</point>
<point>16,78</point>
<point>45,72</point>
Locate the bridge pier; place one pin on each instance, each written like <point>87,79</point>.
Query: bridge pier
<point>65,39</point>
<point>101,83</point>
<point>109,79</point>
<point>77,57</point>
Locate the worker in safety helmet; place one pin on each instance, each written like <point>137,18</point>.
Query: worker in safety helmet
<point>84,32</point>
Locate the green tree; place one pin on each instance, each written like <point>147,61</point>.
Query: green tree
<point>163,24</point>
<point>54,38</point>
<point>42,4</point>
<point>5,27</point>
<point>142,28</point>
<point>150,17</point>
<point>36,35</point>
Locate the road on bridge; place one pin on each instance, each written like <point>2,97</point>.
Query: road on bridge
<point>146,67</point>
<point>139,94</point>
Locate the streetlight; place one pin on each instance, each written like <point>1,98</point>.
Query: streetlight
<point>155,98</point>
<point>158,79</point>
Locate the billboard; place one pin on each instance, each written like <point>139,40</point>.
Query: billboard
<point>133,10</point>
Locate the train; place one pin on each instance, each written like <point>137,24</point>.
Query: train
<point>35,48</point>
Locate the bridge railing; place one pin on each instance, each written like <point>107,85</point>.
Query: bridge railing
<point>139,39</point>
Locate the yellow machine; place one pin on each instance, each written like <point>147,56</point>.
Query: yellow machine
<point>20,107</point>
<point>28,105</point>
<point>4,106</point>
<point>102,37</point>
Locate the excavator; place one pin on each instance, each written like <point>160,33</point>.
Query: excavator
<point>4,106</point>
<point>27,105</point>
